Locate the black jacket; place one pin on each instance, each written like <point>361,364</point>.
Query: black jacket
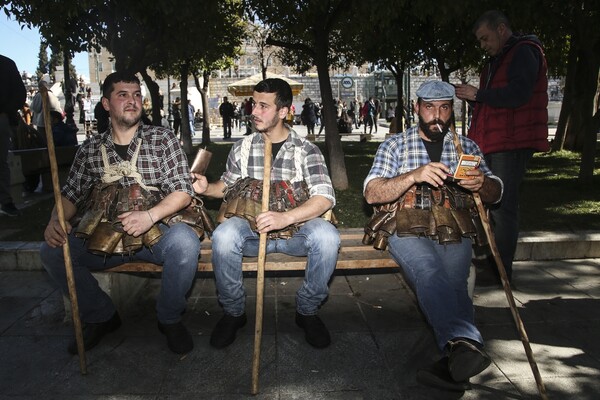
<point>13,93</point>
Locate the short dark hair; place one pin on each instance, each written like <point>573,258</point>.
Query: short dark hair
<point>120,76</point>
<point>492,18</point>
<point>282,90</point>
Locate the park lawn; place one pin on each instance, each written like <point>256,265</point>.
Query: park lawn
<point>552,197</point>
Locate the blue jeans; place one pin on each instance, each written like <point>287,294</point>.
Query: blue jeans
<point>177,251</point>
<point>510,166</point>
<point>317,239</point>
<point>438,275</point>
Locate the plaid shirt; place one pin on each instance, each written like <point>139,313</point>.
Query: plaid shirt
<point>405,152</point>
<point>161,162</point>
<point>314,171</point>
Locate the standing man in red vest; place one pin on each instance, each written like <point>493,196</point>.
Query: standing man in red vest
<point>510,116</point>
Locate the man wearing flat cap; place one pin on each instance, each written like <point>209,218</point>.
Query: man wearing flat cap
<point>424,216</point>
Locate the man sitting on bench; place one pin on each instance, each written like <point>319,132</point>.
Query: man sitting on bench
<point>433,228</point>
<point>126,181</point>
<point>301,192</point>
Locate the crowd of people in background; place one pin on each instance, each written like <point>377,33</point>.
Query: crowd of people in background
<point>349,115</point>
<point>92,118</point>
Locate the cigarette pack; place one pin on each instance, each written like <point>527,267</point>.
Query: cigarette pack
<point>467,162</point>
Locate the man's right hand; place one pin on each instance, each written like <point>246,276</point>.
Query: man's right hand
<point>466,92</point>
<point>200,183</point>
<point>433,173</point>
<point>54,234</point>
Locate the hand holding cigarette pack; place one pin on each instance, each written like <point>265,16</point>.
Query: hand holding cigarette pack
<point>467,162</point>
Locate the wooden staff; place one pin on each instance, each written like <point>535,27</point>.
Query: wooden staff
<point>505,283</point>
<point>61,219</point>
<point>260,270</point>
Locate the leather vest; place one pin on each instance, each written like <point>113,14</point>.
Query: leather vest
<point>445,214</point>
<point>244,199</point>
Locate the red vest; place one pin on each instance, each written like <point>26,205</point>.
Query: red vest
<point>504,129</point>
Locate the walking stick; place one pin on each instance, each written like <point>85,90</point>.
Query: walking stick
<point>61,219</point>
<point>505,284</point>
<point>260,270</point>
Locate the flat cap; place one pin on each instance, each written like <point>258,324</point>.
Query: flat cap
<point>435,91</point>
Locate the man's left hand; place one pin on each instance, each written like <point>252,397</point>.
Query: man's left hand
<point>136,223</point>
<point>272,221</point>
<point>474,182</point>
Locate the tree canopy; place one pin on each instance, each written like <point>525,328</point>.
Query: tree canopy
<point>165,35</point>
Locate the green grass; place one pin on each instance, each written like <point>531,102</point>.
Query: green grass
<point>552,198</point>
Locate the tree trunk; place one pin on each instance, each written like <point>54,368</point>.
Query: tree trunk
<point>205,108</point>
<point>69,106</point>
<point>263,70</point>
<point>586,169</point>
<point>585,85</point>
<point>401,114</point>
<point>203,89</point>
<point>566,106</point>
<point>397,71</point>
<point>333,142</point>
<point>186,134</point>
<point>154,97</point>
<point>590,133</point>
<point>444,72</point>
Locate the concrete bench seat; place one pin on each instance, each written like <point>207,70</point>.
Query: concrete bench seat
<point>132,277</point>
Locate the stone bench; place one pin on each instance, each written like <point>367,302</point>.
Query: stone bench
<point>353,255</point>
<point>123,283</point>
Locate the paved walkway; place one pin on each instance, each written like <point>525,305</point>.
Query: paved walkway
<point>379,339</point>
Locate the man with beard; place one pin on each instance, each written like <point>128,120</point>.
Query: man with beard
<point>301,193</point>
<point>127,155</point>
<point>410,171</point>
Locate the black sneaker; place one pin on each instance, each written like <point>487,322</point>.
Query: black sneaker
<point>224,332</point>
<point>315,331</point>
<point>10,210</point>
<point>93,333</point>
<point>466,360</point>
<point>178,338</point>
<point>438,376</point>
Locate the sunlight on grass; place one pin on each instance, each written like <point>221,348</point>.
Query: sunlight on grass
<point>583,207</point>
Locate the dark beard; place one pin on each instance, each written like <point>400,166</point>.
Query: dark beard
<point>434,136</point>
<point>127,122</point>
<point>273,123</point>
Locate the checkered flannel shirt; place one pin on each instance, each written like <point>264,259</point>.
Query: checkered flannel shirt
<point>405,152</point>
<point>161,162</point>
<point>314,170</point>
